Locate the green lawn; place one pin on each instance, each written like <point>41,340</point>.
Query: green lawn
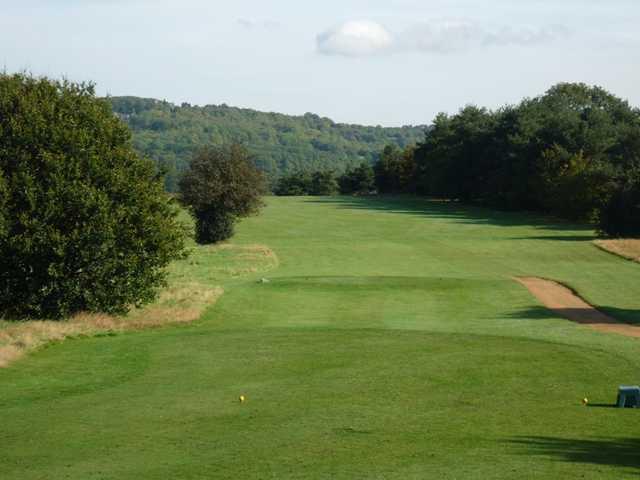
<point>389,342</point>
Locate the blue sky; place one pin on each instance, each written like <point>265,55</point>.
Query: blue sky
<point>387,62</point>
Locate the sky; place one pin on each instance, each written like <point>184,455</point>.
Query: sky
<point>373,62</point>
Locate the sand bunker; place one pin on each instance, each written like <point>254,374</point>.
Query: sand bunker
<point>567,304</point>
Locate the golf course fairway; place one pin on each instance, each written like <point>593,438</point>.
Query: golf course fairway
<point>385,338</point>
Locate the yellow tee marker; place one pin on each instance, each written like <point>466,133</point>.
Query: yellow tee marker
<point>585,401</point>
<point>242,398</point>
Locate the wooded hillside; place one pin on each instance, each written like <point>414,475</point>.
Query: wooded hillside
<point>281,144</point>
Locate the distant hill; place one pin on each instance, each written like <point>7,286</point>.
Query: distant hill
<point>281,144</point>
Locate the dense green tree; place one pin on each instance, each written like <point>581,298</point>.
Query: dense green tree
<point>84,223</point>
<point>323,183</point>
<point>433,158</point>
<point>620,214</point>
<point>573,134</point>
<point>395,170</point>
<point>454,158</point>
<point>303,183</point>
<point>575,190</point>
<point>222,184</point>
<point>358,181</point>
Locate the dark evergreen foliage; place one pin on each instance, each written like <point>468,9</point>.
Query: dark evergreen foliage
<point>620,215</point>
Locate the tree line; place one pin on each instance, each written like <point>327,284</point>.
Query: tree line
<point>355,181</point>
<point>573,152</point>
<point>280,144</point>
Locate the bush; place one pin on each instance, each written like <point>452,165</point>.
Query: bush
<point>221,185</point>
<point>213,226</point>
<point>85,224</point>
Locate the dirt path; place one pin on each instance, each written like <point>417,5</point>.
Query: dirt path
<point>564,302</point>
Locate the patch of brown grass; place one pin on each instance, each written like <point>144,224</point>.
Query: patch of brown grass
<point>183,301</point>
<point>178,304</point>
<point>252,252</point>
<point>626,248</point>
<point>245,259</point>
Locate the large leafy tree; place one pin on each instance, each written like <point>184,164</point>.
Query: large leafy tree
<point>221,184</point>
<point>84,222</point>
<point>575,135</point>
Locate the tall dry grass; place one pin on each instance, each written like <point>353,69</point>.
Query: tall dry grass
<point>189,293</point>
<point>628,248</point>
<point>176,305</point>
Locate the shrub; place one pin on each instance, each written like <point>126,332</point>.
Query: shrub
<point>213,226</point>
<point>85,224</point>
<point>221,184</point>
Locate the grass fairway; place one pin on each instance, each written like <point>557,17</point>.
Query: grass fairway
<point>389,342</point>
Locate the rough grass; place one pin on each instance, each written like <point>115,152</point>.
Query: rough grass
<point>183,301</point>
<point>175,305</point>
<point>627,248</point>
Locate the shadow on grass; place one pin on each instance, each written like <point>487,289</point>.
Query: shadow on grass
<point>615,452</point>
<point>458,212</point>
<point>618,315</point>
<point>561,238</point>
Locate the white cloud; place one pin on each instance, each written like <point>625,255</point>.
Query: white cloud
<point>362,38</point>
<point>355,38</point>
